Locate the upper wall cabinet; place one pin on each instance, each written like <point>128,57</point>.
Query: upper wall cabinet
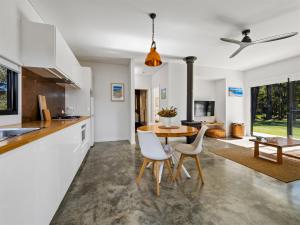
<point>45,51</point>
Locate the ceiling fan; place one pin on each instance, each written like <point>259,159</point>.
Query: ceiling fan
<point>246,41</point>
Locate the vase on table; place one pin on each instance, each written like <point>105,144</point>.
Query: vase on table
<point>168,121</point>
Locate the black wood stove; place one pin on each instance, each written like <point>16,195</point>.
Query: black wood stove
<point>190,98</point>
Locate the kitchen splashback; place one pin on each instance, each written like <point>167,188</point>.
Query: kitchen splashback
<point>34,85</point>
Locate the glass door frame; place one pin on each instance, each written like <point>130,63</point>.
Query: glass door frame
<point>291,109</point>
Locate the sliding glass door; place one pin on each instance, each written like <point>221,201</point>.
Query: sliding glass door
<point>295,109</point>
<point>269,110</point>
<point>275,110</point>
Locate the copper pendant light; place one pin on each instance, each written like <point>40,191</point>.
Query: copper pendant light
<point>153,58</point>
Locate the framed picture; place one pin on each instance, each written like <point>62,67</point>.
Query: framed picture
<point>117,92</point>
<point>234,91</point>
<point>163,93</point>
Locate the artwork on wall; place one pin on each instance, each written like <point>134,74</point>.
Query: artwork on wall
<point>163,93</point>
<point>117,92</point>
<point>234,91</point>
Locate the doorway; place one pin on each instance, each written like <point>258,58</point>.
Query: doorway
<point>141,110</point>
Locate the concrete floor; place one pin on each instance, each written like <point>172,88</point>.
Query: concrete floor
<point>104,192</point>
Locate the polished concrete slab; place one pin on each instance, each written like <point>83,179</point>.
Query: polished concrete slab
<point>104,192</point>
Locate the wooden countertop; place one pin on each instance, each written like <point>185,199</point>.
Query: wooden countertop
<point>48,127</point>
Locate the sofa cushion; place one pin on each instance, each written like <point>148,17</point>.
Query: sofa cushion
<point>216,133</point>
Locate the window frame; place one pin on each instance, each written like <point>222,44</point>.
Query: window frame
<point>12,92</point>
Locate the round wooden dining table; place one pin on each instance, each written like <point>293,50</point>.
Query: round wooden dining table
<point>175,131</point>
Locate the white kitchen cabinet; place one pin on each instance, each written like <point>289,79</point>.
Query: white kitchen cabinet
<point>35,177</point>
<point>80,99</point>
<point>17,186</point>
<point>44,47</point>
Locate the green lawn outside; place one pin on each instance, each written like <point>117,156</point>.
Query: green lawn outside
<point>3,102</point>
<point>276,127</point>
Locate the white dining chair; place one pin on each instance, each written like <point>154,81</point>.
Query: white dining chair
<point>152,151</point>
<point>191,150</point>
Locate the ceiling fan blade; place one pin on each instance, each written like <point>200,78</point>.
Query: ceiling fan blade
<point>238,51</point>
<point>231,41</point>
<point>275,38</point>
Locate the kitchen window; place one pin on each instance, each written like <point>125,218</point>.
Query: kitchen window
<point>8,91</point>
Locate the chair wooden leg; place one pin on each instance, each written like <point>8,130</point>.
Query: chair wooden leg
<point>180,171</point>
<point>153,168</point>
<point>157,178</point>
<point>169,168</point>
<point>199,167</point>
<point>138,179</point>
<point>179,167</point>
<point>171,162</point>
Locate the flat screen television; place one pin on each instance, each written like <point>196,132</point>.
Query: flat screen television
<point>204,108</point>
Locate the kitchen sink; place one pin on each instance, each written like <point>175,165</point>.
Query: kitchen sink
<point>13,132</point>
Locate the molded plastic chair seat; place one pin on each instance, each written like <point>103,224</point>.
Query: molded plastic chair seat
<point>186,149</point>
<point>191,150</point>
<point>155,157</point>
<point>153,151</point>
<point>151,147</point>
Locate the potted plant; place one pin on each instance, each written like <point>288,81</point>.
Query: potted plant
<point>168,113</point>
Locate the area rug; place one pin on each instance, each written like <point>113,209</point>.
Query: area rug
<point>295,153</point>
<point>288,171</point>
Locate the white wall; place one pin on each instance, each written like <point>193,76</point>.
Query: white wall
<point>177,89</point>
<point>234,105</point>
<point>112,119</point>
<point>220,105</point>
<point>269,74</point>
<point>160,80</point>
<point>204,90</point>
<point>11,13</point>
<point>143,82</point>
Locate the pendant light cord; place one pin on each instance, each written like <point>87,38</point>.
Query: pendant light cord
<point>152,16</point>
<point>153,44</point>
<point>153,30</point>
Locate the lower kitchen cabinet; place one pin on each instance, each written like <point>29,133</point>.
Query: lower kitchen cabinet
<point>35,177</point>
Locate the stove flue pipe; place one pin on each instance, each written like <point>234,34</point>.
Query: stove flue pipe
<point>190,75</point>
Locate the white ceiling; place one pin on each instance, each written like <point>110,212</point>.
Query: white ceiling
<point>121,29</point>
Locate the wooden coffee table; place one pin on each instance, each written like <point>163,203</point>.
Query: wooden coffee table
<point>276,142</point>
